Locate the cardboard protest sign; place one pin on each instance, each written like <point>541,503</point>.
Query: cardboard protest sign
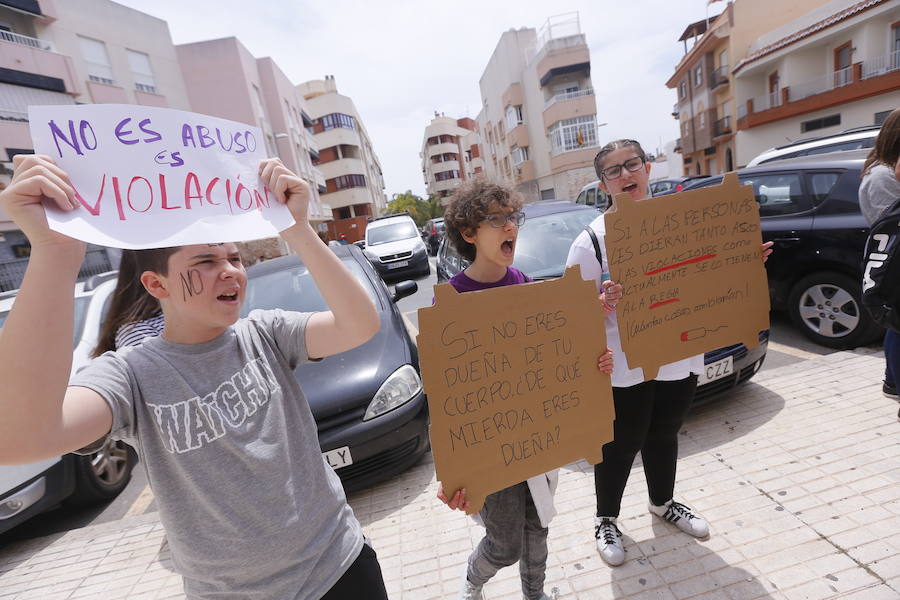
<point>152,177</point>
<point>692,272</point>
<point>512,382</point>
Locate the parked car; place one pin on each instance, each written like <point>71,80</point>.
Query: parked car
<point>810,208</point>
<point>541,251</point>
<point>671,185</point>
<point>432,232</point>
<point>368,402</point>
<point>850,139</point>
<point>395,248</point>
<point>27,490</point>
<point>592,195</point>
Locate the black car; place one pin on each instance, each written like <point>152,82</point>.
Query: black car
<point>672,185</point>
<point>432,232</point>
<point>541,251</point>
<point>368,402</point>
<point>809,207</point>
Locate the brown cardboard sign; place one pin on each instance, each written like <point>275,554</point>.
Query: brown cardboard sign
<point>691,268</point>
<point>512,382</point>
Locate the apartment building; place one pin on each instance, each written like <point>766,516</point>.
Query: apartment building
<point>63,52</point>
<point>354,183</point>
<point>707,105</point>
<point>451,153</point>
<point>538,121</point>
<point>833,68</point>
<point>259,93</point>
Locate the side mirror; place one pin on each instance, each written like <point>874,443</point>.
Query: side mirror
<point>404,289</point>
<point>361,244</point>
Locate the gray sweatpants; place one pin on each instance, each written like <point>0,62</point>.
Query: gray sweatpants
<point>514,533</point>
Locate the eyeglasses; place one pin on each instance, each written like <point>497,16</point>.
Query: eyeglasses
<point>499,220</point>
<point>615,171</point>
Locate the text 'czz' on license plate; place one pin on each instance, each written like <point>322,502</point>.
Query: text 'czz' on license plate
<point>339,457</point>
<point>397,265</point>
<point>716,370</point>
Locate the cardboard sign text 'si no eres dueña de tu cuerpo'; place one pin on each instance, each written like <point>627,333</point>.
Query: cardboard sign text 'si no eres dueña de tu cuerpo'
<point>512,382</point>
<point>691,268</point>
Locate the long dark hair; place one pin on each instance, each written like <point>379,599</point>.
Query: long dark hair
<point>887,145</point>
<point>131,302</point>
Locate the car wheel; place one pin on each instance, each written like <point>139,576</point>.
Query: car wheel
<point>104,474</point>
<point>826,307</point>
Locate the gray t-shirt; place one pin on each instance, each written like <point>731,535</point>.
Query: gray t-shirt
<point>878,192</point>
<point>230,446</point>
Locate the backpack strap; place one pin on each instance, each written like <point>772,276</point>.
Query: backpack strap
<point>596,243</point>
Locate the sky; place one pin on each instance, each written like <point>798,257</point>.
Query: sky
<point>401,60</point>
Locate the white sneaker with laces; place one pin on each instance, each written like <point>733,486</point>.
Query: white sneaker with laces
<point>467,589</point>
<point>682,517</point>
<point>609,541</point>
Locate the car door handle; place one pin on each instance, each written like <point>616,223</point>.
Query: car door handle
<point>786,241</point>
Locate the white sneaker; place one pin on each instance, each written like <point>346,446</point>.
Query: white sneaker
<point>682,517</point>
<point>609,541</point>
<point>467,589</point>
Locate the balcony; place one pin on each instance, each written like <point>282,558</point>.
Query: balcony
<point>676,112</point>
<point>722,127</point>
<point>860,80</point>
<point>513,95</point>
<point>445,148</point>
<point>33,62</point>
<point>563,56</point>
<point>718,78</point>
<point>517,136</point>
<point>568,106</point>
<point>524,171</point>
<point>564,160</point>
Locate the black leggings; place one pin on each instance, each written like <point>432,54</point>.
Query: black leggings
<point>648,417</point>
<point>362,580</point>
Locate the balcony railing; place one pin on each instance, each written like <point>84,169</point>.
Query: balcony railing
<point>881,66</point>
<point>718,77</point>
<point>24,40</point>
<point>143,87</point>
<point>722,126</point>
<point>767,101</point>
<point>567,96</point>
<point>826,83</point>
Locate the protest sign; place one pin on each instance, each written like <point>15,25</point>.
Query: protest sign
<point>691,268</point>
<point>150,177</point>
<point>512,382</point>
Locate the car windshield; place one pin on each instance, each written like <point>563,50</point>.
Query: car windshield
<point>81,304</point>
<point>391,233</point>
<point>543,243</point>
<point>294,289</point>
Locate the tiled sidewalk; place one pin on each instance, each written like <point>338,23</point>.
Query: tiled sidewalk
<point>798,474</point>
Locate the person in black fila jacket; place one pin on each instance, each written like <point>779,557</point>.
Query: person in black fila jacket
<point>878,193</point>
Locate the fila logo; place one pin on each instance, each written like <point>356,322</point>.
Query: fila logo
<point>876,259</point>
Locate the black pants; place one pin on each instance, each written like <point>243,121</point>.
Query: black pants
<point>362,580</point>
<point>648,417</point>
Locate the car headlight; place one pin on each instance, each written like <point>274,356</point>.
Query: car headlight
<point>398,389</point>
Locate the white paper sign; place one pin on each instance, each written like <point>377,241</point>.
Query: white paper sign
<point>150,177</point>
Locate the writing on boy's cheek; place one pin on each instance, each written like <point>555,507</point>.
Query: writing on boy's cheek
<point>191,283</point>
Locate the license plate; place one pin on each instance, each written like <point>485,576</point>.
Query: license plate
<point>717,370</point>
<point>397,265</point>
<point>339,457</point>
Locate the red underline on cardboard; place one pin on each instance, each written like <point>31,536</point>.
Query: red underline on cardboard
<point>663,303</point>
<point>681,264</point>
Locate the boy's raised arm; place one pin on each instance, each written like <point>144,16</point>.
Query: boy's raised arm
<point>352,319</point>
<point>36,345</point>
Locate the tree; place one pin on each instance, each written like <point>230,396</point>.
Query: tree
<point>420,210</point>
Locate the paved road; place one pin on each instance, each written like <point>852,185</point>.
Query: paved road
<point>787,346</point>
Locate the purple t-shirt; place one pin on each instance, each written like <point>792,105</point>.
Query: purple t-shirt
<point>463,283</point>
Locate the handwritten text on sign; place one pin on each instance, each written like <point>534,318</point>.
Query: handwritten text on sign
<point>149,177</point>
<point>512,382</point>
<point>691,270</point>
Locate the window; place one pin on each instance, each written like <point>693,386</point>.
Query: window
<point>446,175</point>
<point>702,119</point>
<point>335,120</point>
<point>698,76</point>
<point>778,193</point>
<point>880,117</point>
<point>682,90</point>
<point>572,134</point>
<point>349,181</point>
<point>519,155</point>
<point>141,71</point>
<point>513,116</point>
<point>97,60</point>
<point>821,184</point>
<point>820,123</point>
<point>723,61</point>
